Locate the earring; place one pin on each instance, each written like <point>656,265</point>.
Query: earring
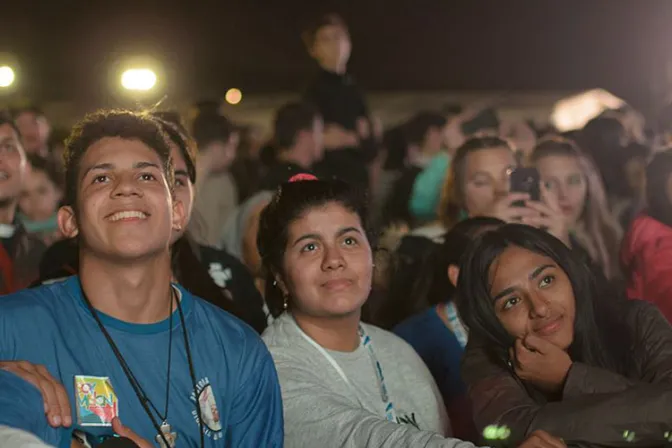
<point>275,283</point>
<point>284,302</point>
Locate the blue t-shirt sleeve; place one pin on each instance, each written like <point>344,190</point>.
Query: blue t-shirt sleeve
<point>22,407</point>
<point>257,418</point>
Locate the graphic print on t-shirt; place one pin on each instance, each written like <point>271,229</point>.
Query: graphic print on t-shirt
<point>408,420</point>
<point>212,426</point>
<point>97,404</point>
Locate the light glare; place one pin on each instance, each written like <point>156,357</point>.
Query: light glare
<point>234,96</point>
<point>6,76</point>
<point>138,79</point>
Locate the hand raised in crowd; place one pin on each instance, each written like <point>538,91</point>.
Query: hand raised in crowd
<point>363,128</point>
<point>540,363</point>
<point>542,439</point>
<point>124,431</point>
<point>505,208</point>
<point>56,403</point>
<point>549,216</point>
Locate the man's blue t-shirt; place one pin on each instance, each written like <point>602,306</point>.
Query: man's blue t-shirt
<point>22,407</point>
<point>237,386</point>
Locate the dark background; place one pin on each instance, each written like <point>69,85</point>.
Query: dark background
<point>66,49</point>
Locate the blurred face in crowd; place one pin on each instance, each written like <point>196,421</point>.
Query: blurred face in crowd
<point>486,177</point>
<point>40,197</point>
<point>125,207</point>
<point>34,131</point>
<point>433,141</point>
<point>327,263</point>
<point>332,47</point>
<point>13,164</point>
<point>222,153</point>
<point>563,176</point>
<point>308,147</point>
<point>532,294</point>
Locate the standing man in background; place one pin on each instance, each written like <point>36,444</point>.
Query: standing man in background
<point>350,137</point>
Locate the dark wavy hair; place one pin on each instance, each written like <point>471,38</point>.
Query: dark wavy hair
<point>291,201</point>
<point>598,332</point>
<point>124,124</point>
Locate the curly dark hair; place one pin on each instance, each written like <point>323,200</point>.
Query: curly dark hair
<point>124,124</point>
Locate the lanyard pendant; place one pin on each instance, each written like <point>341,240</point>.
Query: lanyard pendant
<point>170,437</point>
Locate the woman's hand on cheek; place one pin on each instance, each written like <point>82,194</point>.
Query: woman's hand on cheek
<point>540,363</point>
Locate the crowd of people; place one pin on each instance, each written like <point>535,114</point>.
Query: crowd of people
<point>457,280</point>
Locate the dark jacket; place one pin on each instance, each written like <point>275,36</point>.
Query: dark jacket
<point>20,256</point>
<point>646,257</point>
<point>597,405</point>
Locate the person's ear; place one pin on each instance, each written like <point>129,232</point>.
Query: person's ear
<point>453,274</point>
<point>179,215</point>
<point>67,222</point>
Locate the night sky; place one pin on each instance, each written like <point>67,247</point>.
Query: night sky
<point>66,48</point>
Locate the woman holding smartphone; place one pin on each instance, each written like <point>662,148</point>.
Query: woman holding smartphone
<point>479,184</point>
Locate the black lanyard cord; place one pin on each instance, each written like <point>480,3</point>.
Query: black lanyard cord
<point>139,392</point>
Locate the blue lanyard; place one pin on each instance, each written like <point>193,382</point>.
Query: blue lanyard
<point>390,412</point>
<point>365,340</point>
<point>456,324</point>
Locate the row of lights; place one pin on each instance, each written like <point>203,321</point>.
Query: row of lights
<point>133,79</point>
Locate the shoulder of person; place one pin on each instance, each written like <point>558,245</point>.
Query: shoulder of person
<point>644,319</point>
<point>31,300</point>
<point>228,329</point>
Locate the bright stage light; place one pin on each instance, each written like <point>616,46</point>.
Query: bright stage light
<point>7,76</point>
<point>234,96</point>
<point>138,79</point>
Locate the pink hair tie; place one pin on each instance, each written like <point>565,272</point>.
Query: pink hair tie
<point>302,177</point>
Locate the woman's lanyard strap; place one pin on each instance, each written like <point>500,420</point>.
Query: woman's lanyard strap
<point>390,412</point>
<point>365,340</point>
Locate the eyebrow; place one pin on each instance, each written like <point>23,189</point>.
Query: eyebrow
<point>315,236</point>
<point>111,166</point>
<point>532,276</point>
<point>181,173</point>
<point>7,139</point>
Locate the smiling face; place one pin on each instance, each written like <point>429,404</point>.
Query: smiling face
<point>124,206</point>
<point>13,164</point>
<point>327,262</point>
<point>532,294</point>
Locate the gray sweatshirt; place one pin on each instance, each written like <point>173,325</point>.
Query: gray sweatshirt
<point>322,410</point>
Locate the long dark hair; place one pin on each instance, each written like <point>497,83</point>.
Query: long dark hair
<point>429,285</point>
<point>597,341</point>
<point>289,203</point>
